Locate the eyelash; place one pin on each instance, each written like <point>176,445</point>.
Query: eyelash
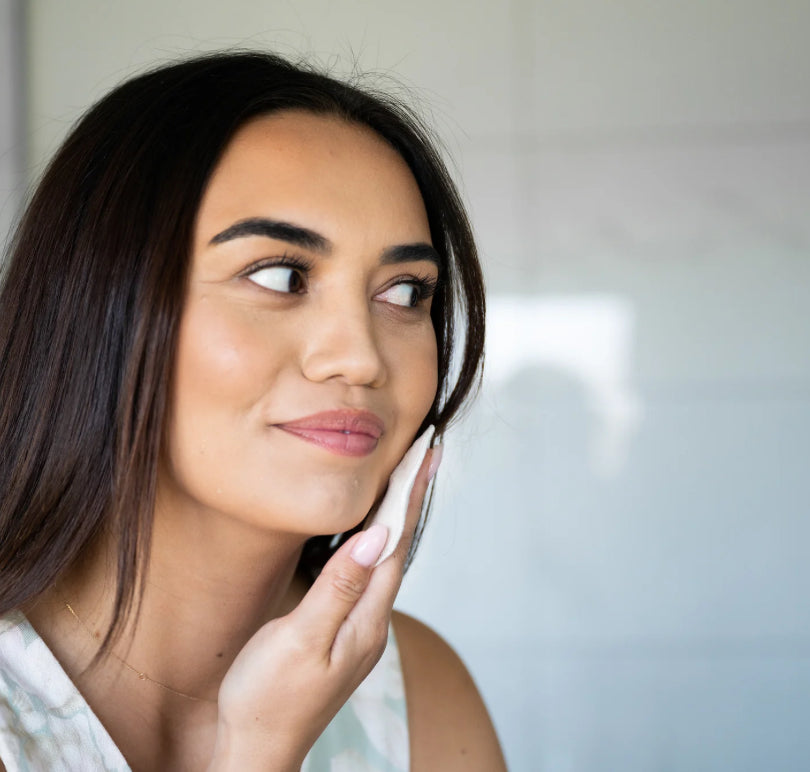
<point>425,286</point>
<point>284,261</point>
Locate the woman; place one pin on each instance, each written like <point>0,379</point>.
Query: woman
<point>227,314</point>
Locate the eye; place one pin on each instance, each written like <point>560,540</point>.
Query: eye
<point>279,278</point>
<point>410,292</point>
<point>405,293</point>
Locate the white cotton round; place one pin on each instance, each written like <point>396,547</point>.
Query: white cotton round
<point>394,506</point>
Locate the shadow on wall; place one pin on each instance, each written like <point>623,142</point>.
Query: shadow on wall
<point>589,338</point>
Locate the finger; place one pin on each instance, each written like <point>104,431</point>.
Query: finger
<point>393,508</point>
<point>378,599</point>
<point>339,586</point>
<point>430,465</point>
<point>346,576</point>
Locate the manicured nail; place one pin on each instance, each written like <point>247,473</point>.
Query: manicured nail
<point>435,460</point>
<point>370,545</point>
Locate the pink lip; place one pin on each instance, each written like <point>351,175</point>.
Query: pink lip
<point>344,432</point>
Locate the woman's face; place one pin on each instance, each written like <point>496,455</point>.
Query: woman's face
<point>306,356</point>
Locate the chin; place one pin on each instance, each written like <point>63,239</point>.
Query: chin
<point>318,507</point>
<point>339,509</point>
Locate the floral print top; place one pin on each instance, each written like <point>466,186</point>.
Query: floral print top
<point>46,725</point>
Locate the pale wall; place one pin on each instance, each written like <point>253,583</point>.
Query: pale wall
<point>619,549</point>
<point>12,121</point>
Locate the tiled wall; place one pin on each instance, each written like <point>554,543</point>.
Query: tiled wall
<point>619,547</point>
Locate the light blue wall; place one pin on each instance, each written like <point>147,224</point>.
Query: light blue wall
<point>12,151</point>
<point>619,546</point>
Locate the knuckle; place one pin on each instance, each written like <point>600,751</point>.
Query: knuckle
<point>379,640</point>
<point>376,643</point>
<point>288,639</point>
<point>370,641</point>
<point>348,585</point>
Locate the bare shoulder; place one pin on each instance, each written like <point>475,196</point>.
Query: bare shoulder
<point>448,722</point>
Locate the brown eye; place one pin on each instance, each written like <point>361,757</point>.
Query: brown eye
<point>279,278</point>
<point>410,293</point>
<point>402,294</point>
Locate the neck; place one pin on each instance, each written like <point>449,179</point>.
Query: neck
<point>209,587</point>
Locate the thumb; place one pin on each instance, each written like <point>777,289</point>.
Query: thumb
<point>339,586</point>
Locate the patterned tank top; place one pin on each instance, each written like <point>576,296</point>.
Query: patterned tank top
<point>46,725</point>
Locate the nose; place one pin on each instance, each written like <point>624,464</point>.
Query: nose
<point>342,344</point>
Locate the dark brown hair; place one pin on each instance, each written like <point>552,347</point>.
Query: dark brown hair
<point>94,287</point>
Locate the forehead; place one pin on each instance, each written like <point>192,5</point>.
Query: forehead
<point>321,171</point>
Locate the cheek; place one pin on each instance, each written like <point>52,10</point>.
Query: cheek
<point>217,380</point>
<point>425,381</point>
<point>220,355</point>
<point>416,372</point>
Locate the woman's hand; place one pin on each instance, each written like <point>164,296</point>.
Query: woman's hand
<point>297,671</point>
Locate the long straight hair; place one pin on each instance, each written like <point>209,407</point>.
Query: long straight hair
<point>94,287</point>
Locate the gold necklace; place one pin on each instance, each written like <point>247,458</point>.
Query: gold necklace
<point>141,675</point>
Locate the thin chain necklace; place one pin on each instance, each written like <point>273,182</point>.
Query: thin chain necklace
<point>141,675</point>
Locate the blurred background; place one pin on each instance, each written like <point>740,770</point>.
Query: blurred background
<point>619,546</point>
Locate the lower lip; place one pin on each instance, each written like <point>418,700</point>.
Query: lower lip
<point>351,444</point>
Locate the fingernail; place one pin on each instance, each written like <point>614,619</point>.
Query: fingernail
<point>369,546</point>
<point>435,460</point>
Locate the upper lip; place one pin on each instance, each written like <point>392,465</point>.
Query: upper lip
<point>355,421</point>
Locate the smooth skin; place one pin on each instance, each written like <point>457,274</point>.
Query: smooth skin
<point>331,313</point>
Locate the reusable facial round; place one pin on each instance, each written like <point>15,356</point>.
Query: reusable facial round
<point>393,509</point>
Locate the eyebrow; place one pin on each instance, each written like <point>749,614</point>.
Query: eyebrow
<point>309,239</point>
<point>274,229</point>
<point>407,253</point>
